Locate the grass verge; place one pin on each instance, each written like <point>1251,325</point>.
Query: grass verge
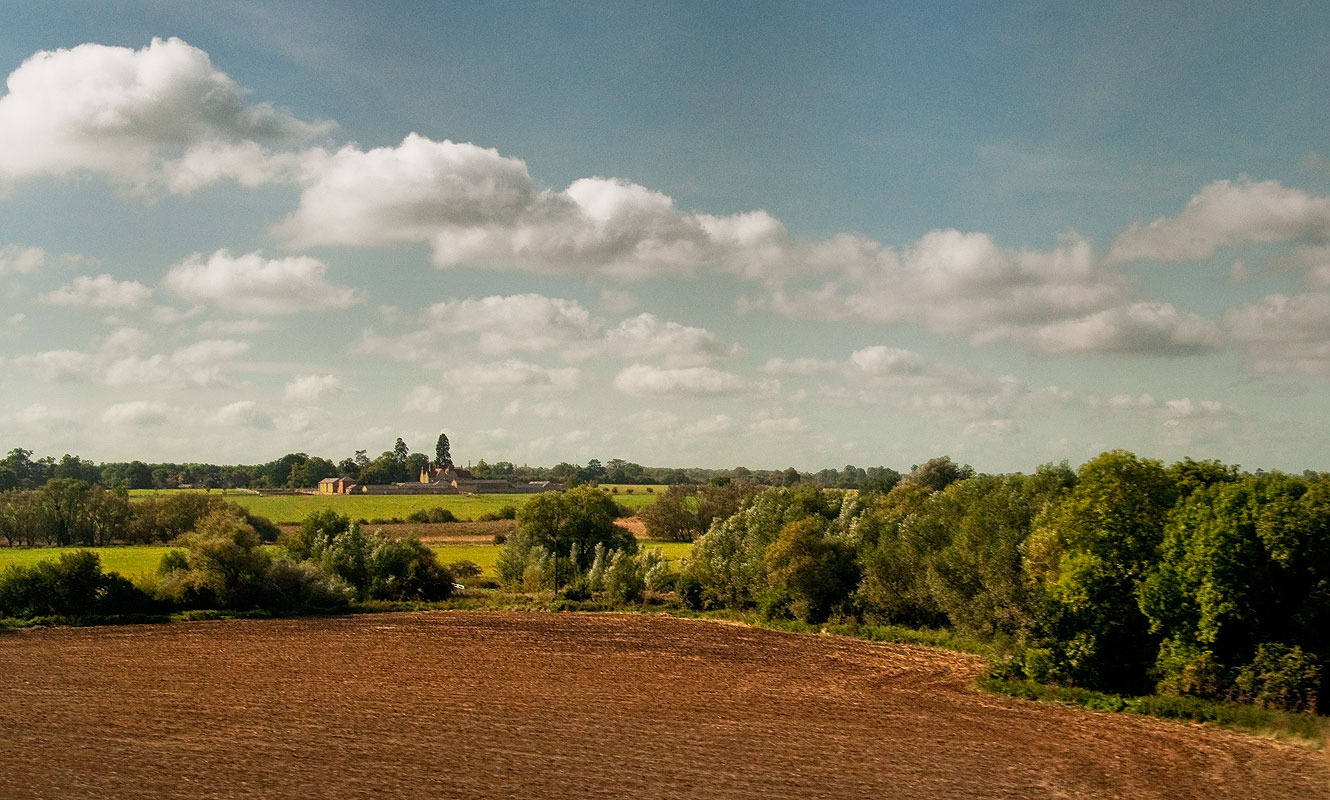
<point>1303,729</point>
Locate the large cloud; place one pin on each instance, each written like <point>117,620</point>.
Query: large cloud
<point>648,336</point>
<point>477,207</point>
<point>252,284</point>
<point>510,374</point>
<point>529,322</point>
<point>534,323</point>
<point>948,282</point>
<point>200,364</point>
<point>643,380</point>
<point>1226,213</point>
<point>1284,335</point>
<point>159,117</point>
<point>1143,328</point>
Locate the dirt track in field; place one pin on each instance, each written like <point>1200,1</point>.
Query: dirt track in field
<point>466,704</point>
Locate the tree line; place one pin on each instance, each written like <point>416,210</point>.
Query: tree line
<point>1125,575</point>
<point>67,512</point>
<point>19,469</point>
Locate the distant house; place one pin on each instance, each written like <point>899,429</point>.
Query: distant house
<point>336,486</point>
<point>462,481</point>
<point>448,475</point>
<point>436,480</point>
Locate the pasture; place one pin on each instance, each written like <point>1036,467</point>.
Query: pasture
<point>524,705</point>
<point>139,562</point>
<point>291,509</point>
<point>135,562</point>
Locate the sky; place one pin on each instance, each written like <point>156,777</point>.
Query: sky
<point>682,234</point>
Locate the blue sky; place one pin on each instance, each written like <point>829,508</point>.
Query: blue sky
<point>680,234</point>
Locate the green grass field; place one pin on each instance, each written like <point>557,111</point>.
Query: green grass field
<point>134,562</point>
<point>648,489</point>
<point>285,509</point>
<point>140,561</point>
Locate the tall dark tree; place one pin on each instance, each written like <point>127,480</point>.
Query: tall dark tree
<point>400,450</point>
<point>138,475</point>
<point>442,456</point>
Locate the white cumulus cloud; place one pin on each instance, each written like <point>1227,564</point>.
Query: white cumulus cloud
<point>423,400</point>
<point>252,284</point>
<point>517,323</point>
<point>648,336</point>
<point>137,414</point>
<point>210,351</point>
<point>310,389</point>
<point>511,373</point>
<point>948,282</point>
<point>101,291</point>
<point>19,260</point>
<point>158,117</point>
<point>1283,334</point>
<point>1143,328</point>
<point>476,207</point>
<point>60,365</point>
<point>1226,213</point>
<point>647,381</point>
<point>241,414</point>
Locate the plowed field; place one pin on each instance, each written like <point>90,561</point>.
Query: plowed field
<point>450,705</point>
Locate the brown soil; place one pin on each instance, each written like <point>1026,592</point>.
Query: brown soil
<point>633,525</point>
<point>466,704</point>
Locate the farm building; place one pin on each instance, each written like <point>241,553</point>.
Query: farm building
<point>464,482</point>
<point>335,486</point>
<point>448,480</point>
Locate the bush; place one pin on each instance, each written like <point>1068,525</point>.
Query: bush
<point>406,570</point>
<point>172,560</point>
<point>567,526</point>
<point>504,512</point>
<point>224,559</point>
<point>1280,677</point>
<point>316,532</point>
<point>657,573</point>
<point>623,578</point>
<point>462,570</point>
<point>72,585</point>
<point>302,586</point>
<point>774,604</point>
<point>436,514</point>
<point>689,590</point>
<point>577,590</point>
<point>599,563</point>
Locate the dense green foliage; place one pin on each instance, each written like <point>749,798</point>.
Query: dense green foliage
<point>222,563</point>
<point>72,585</point>
<point>686,511</point>
<point>1126,576</point>
<point>68,511</point>
<point>557,536</point>
<point>373,566</point>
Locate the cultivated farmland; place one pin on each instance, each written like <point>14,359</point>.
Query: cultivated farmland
<point>569,705</point>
